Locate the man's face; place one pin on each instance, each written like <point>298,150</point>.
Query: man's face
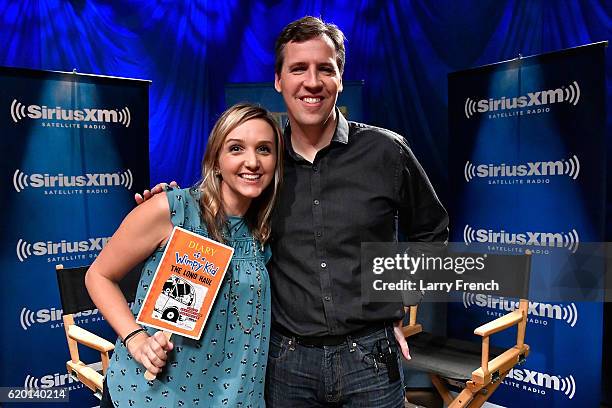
<point>309,81</point>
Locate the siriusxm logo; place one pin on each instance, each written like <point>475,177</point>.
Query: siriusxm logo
<point>20,111</point>
<point>28,318</point>
<point>567,313</point>
<point>569,167</point>
<point>569,240</point>
<point>569,94</point>
<point>24,249</point>
<point>22,180</point>
<point>48,381</point>
<point>567,385</point>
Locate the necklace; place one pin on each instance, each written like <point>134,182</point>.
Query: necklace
<point>234,296</point>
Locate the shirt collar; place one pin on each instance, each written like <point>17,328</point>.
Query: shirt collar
<point>341,134</point>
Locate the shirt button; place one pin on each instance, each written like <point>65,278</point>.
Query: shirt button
<point>315,168</point>
<point>316,202</point>
<point>327,298</point>
<point>319,233</point>
<point>323,265</point>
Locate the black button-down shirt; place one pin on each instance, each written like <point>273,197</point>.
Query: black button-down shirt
<point>358,189</point>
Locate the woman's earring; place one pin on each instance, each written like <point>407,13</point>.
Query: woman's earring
<point>217,172</point>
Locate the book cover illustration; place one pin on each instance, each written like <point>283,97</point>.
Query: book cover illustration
<point>185,284</point>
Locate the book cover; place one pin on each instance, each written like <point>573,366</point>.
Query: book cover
<point>185,284</point>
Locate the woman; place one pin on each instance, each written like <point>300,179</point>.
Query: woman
<point>241,174</point>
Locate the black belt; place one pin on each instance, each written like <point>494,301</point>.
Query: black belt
<point>320,341</point>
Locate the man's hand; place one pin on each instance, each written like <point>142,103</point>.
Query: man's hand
<point>155,190</point>
<point>151,351</point>
<point>401,340</point>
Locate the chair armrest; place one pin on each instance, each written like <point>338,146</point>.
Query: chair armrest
<point>499,324</point>
<point>413,327</point>
<point>500,364</point>
<point>87,375</point>
<point>89,339</point>
<point>412,330</point>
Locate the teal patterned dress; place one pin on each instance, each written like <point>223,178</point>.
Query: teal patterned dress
<point>227,366</point>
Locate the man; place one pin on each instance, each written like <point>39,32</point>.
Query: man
<point>344,183</point>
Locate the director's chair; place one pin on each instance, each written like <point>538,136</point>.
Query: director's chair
<point>474,369</point>
<point>75,299</point>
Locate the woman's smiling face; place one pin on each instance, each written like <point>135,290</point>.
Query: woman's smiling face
<point>246,164</point>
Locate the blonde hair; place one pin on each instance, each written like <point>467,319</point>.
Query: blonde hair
<point>259,212</point>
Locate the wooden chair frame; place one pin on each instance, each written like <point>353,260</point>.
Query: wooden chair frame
<point>491,373</point>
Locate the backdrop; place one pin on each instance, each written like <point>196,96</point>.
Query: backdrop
<point>501,196</point>
<point>403,50</point>
<point>70,167</point>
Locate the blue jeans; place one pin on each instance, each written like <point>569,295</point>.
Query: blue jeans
<point>346,375</point>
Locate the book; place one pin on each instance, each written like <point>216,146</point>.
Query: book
<point>185,284</point>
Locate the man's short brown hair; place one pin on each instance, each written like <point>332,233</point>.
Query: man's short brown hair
<point>304,29</point>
